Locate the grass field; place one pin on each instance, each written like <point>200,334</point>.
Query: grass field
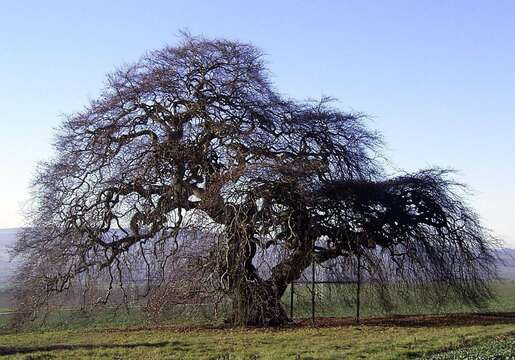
<point>380,341</point>
<point>328,304</point>
<point>71,334</point>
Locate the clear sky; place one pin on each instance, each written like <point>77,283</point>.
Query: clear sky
<point>438,78</point>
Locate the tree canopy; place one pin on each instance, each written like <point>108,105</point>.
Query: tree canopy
<point>191,171</point>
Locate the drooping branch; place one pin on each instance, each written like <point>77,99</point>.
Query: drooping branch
<point>193,139</point>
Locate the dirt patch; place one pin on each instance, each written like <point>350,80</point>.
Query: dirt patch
<point>420,320</point>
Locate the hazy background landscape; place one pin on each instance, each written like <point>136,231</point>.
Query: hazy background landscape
<point>7,238</point>
<point>506,263</point>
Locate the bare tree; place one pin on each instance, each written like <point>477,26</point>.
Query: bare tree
<point>194,139</point>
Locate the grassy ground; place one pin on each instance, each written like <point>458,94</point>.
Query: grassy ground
<point>332,301</point>
<point>72,334</point>
<point>333,342</point>
<point>339,300</point>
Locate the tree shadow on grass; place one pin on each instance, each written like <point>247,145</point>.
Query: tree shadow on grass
<point>11,350</point>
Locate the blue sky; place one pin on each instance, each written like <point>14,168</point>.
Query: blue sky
<point>437,78</point>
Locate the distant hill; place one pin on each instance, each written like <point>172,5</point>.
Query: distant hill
<point>506,264</point>
<point>7,238</point>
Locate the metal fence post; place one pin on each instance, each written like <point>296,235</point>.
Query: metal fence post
<point>291,300</point>
<point>313,293</point>
<point>358,289</point>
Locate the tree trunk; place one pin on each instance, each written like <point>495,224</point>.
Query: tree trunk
<point>258,303</point>
<point>255,301</point>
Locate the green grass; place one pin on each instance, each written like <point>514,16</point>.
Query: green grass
<point>105,334</point>
<point>101,317</point>
<point>331,301</point>
<point>339,301</point>
<point>349,342</point>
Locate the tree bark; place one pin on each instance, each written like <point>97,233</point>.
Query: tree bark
<point>258,303</point>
